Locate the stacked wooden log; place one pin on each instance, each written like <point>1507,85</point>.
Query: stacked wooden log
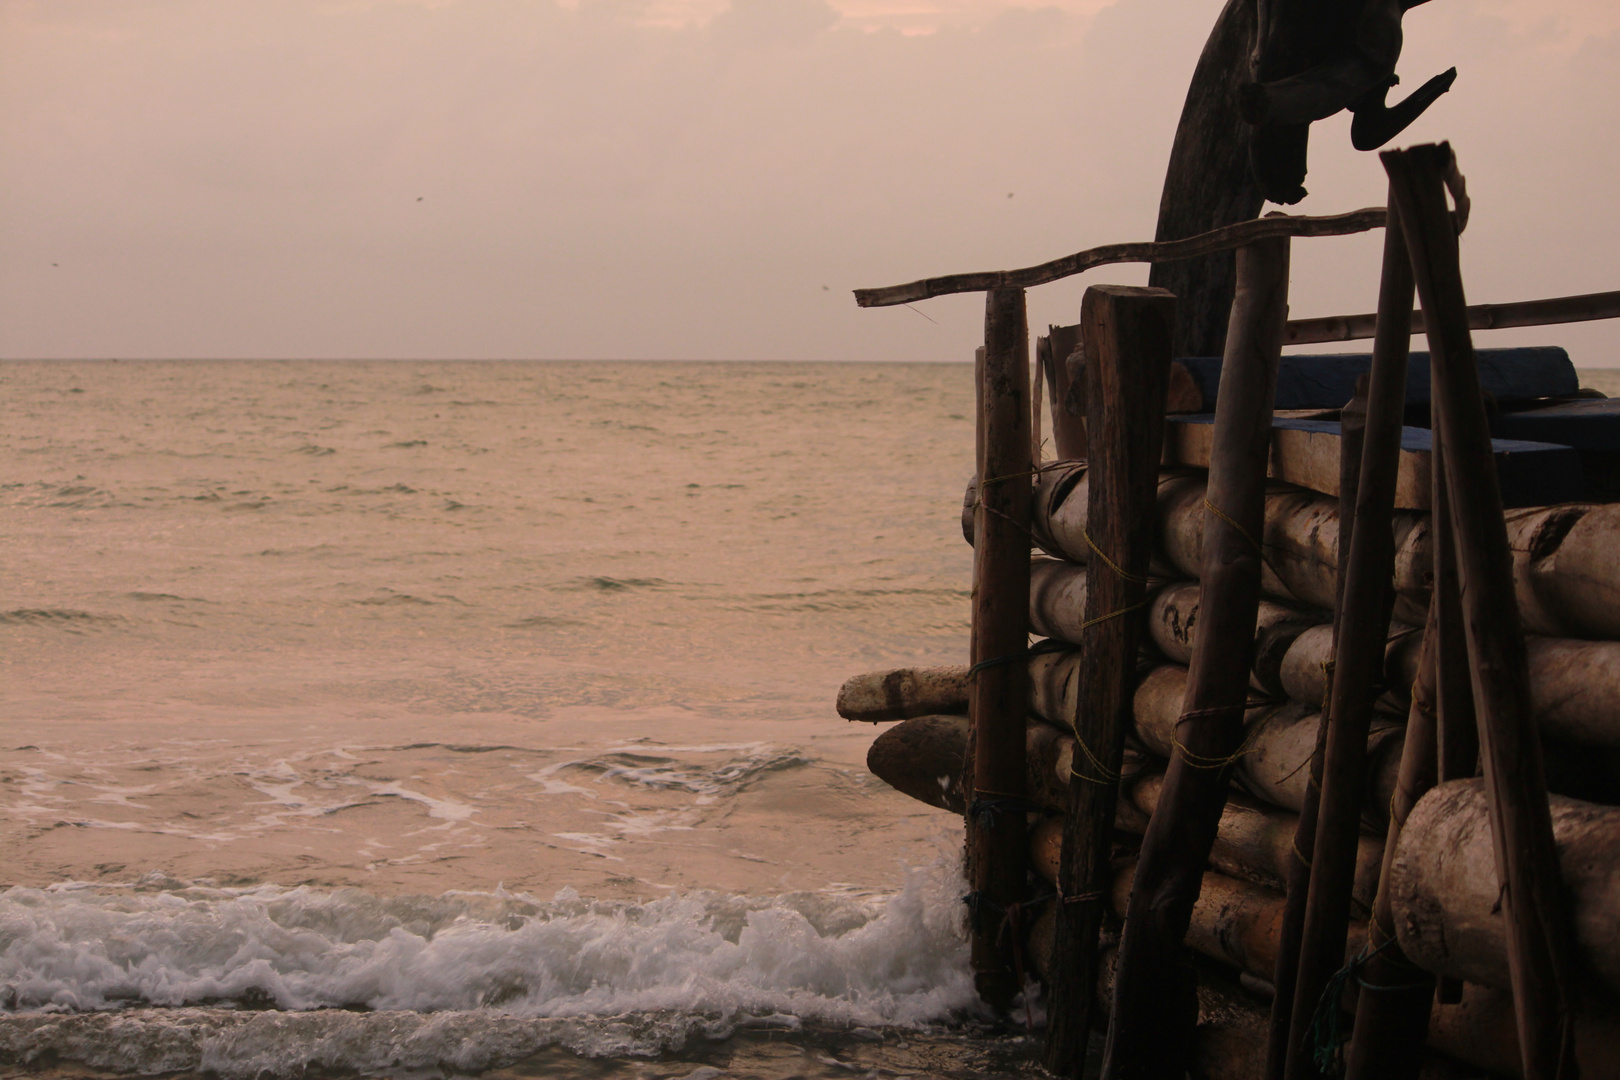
<point>1566,573</point>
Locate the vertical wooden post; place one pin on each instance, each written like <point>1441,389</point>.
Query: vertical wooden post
<point>1068,428</point>
<point>1539,935</point>
<point>1127,334</point>
<point>1297,879</point>
<point>1358,662</point>
<point>1155,1003</point>
<point>998,694</point>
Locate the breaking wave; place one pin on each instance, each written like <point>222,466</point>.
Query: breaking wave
<point>825,957</point>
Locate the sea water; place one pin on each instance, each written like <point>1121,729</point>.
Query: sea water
<point>413,719</point>
<point>410,716</point>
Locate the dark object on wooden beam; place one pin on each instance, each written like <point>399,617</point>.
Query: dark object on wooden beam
<point>1540,939</point>
<point>1127,345</point>
<point>1561,309</point>
<point>1208,184</point>
<point>1312,59</point>
<point>1306,453</point>
<point>1328,380</point>
<point>998,690</point>
<point>1154,1009</point>
<point>1227,238</point>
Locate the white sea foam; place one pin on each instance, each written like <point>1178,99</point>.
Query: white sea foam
<point>825,957</point>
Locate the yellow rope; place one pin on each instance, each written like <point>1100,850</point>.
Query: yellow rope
<point>1124,574</point>
<point>1113,615</point>
<point>1199,761</point>
<point>1109,776</point>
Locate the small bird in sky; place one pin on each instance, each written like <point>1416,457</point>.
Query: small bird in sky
<point>1009,194</point>
<point>55,264</point>
<point>419,198</point>
<point>825,289</point>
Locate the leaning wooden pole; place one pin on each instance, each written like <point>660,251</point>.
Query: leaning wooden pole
<point>1155,991</point>
<point>1297,879</point>
<point>1539,935</point>
<point>998,691</point>
<point>1127,333</point>
<point>1392,1019</point>
<point>1358,662</point>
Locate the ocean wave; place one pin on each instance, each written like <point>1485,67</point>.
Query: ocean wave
<point>69,619</point>
<point>695,959</point>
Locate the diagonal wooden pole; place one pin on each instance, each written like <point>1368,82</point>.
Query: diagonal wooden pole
<point>1358,663</point>
<point>1297,876</point>
<point>1392,1018</point>
<point>998,691</point>
<point>1539,935</point>
<point>1155,1006</point>
<point>1127,332</point>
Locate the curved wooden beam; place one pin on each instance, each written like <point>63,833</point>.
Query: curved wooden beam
<point>1223,239</point>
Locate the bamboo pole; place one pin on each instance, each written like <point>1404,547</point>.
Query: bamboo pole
<point>1298,879</point>
<point>1068,407</point>
<point>998,692</point>
<point>1155,991</point>
<point>1558,309</point>
<point>1358,662</point>
<point>1539,934</point>
<point>1127,338</point>
<point>1392,1022</point>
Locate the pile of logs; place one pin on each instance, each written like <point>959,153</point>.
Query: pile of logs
<point>1273,774</point>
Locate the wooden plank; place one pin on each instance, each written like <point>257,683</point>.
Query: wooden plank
<point>1127,339</point>
<point>1328,380</point>
<point>1306,453</point>
<point>998,687</point>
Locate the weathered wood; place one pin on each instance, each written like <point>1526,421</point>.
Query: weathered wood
<point>1067,392</point>
<point>1327,380</point>
<point>1173,626</point>
<point>1445,895</point>
<point>1539,948</point>
<point>999,681</point>
<point>1358,663</point>
<point>922,757</point>
<point>1057,599</point>
<point>1255,841</point>
<point>1297,872</point>
<point>1566,570</point>
<point>1150,1026</point>
<point>1228,238</point>
<point>1561,309</point>
<point>1576,582</point>
<point>1304,667</point>
<point>1307,452</point>
<point>1127,345</point>
<point>1208,183</point>
<point>1392,1020</point>
<point>875,696</point>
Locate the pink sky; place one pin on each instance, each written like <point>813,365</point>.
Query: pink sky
<point>695,178</point>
